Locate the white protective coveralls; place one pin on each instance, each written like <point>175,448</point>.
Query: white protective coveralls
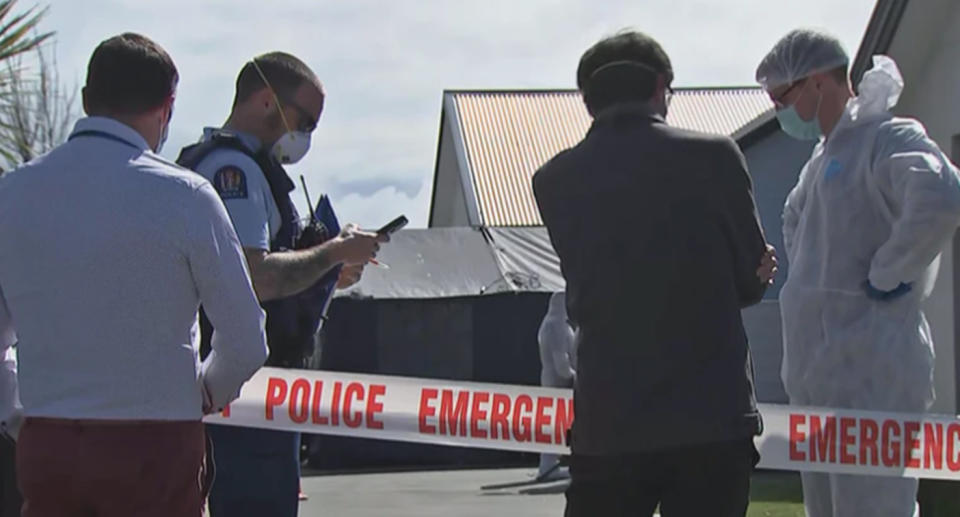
<point>11,412</point>
<point>557,358</point>
<point>877,201</point>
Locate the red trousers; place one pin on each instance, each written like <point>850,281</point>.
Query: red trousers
<point>87,468</point>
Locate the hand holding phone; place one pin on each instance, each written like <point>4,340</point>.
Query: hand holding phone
<point>393,226</point>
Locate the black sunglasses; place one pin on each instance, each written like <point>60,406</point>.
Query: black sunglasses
<point>307,122</point>
<point>778,101</point>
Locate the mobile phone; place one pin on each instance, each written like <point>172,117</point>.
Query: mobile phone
<point>394,225</point>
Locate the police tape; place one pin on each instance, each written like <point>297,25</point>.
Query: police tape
<point>533,419</point>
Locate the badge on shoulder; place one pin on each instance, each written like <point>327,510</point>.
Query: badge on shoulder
<point>230,182</point>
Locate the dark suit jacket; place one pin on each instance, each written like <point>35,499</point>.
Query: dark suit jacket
<point>659,243</point>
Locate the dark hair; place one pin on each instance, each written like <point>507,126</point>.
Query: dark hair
<point>622,68</point>
<point>128,74</point>
<point>285,73</point>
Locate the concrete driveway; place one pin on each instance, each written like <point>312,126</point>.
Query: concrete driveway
<point>426,494</point>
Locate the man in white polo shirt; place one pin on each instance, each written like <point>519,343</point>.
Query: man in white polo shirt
<point>106,252</point>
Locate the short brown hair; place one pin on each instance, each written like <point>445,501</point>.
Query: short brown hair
<point>129,74</point>
<point>285,72</point>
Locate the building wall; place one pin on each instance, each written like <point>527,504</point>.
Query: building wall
<point>449,203</point>
<point>775,164</point>
<point>932,77</point>
<point>764,336</point>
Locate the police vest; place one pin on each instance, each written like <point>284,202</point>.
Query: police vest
<point>292,322</point>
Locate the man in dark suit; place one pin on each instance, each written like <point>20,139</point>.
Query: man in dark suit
<point>659,243</point>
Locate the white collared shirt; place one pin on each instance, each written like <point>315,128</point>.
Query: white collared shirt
<point>106,252</point>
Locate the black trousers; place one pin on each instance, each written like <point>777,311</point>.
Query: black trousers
<point>939,498</point>
<point>10,500</point>
<point>708,480</point>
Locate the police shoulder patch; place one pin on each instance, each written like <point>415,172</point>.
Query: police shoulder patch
<point>230,182</point>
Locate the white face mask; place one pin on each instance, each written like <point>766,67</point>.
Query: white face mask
<point>164,133</point>
<point>291,147</point>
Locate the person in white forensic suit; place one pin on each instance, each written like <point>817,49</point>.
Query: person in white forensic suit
<point>863,230</point>
<point>558,356</point>
<point>11,416</point>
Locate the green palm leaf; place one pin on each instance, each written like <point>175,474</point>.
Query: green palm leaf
<point>16,34</point>
<point>18,88</point>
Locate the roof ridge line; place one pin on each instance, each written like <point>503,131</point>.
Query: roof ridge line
<point>507,91</point>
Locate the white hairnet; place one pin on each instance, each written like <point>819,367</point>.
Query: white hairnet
<point>800,54</point>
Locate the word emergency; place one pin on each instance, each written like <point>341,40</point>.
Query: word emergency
<point>848,440</point>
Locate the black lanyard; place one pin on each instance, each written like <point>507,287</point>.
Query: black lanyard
<point>103,134</point>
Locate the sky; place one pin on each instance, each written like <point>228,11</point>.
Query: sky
<point>386,63</point>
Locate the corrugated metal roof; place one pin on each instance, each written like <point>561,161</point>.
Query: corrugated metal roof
<point>509,135</point>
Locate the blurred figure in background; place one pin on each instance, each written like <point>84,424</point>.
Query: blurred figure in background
<point>558,359</point>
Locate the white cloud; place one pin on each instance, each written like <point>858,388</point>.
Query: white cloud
<point>382,207</point>
<point>385,63</point>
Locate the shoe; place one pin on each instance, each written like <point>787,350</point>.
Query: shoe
<point>557,475</point>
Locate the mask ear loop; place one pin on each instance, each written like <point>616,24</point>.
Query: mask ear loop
<point>816,114</point>
<point>274,93</point>
<point>588,87</point>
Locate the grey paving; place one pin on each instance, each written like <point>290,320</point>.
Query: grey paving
<point>426,494</point>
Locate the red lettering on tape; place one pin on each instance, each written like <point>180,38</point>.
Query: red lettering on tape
<point>869,432</point>
<point>542,420</point>
<point>847,439</point>
<point>911,443</point>
<point>316,417</point>
<point>426,410</point>
<point>499,417</point>
<point>354,391</point>
<point>478,415</point>
<point>891,447</point>
<point>299,407</point>
<point>335,404</point>
<point>797,437</point>
<point>932,446</point>
<point>563,421</point>
<point>521,424</point>
<point>374,406</point>
<point>824,439</point>
<point>953,435</point>
<point>453,416</point>
<point>276,394</point>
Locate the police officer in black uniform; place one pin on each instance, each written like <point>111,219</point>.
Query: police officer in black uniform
<point>277,105</point>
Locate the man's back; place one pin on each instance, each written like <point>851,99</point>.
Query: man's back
<point>658,240</point>
<point>99,267</point>
<point>106,252</point>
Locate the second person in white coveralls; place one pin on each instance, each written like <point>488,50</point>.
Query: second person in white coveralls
<point>558,365</point>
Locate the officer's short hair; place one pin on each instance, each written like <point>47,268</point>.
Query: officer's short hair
<point>128,74</point>
<point>286,73</point>
<point>621,68</point>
